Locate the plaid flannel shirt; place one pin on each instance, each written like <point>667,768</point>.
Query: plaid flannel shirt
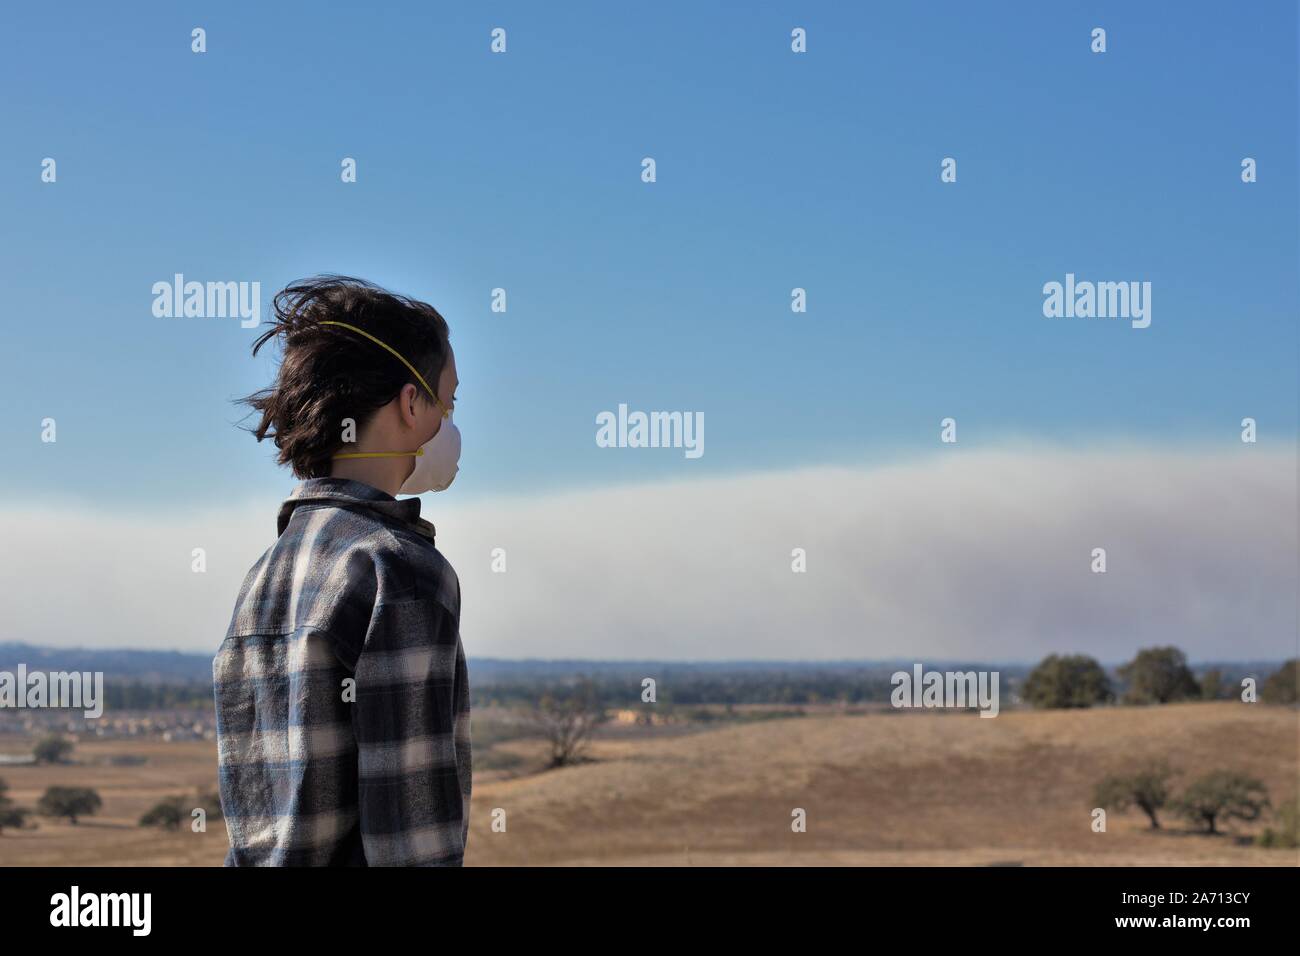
<point>312,771</point>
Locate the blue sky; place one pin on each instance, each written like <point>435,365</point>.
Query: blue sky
<point>774,171</point>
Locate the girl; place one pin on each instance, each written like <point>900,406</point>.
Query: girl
<point>341,687</point>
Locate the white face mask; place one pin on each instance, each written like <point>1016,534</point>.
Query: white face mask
<point>437,467</point>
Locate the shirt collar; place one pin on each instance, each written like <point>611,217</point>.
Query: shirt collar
<point>345,491</point>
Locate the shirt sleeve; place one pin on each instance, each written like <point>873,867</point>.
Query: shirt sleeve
<point>411,721</point>
<point>464,754</point>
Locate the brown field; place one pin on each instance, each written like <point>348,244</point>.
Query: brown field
<point>895,788</point>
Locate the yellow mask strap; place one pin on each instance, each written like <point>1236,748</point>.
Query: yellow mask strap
<point>420,378</point>
<point>381,454</point>
<point>389,348</point>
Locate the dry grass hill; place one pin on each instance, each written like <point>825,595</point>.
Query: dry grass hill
<point>893,788</point>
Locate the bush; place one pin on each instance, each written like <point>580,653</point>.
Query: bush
<point>10,816</point>
<point>210,803</point>
<point>1213,686</point>
<point>52,748</point>
<point>1074,681</point>
<point>1147,789</point>
<point>15,818</point>
<point>1222,795</point>
<point>1288,832</point>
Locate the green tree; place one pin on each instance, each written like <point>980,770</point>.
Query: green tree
<point>70,802</point>
<point>1147,789</point>
<point>1280,688</point>
<point>1070,681</point>
<point>1222,795</point>
<point>167,814</point>
<point>52,748</point>
<point>1159,675</point>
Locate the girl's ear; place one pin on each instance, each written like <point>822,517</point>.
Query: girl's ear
<point>407,402</point>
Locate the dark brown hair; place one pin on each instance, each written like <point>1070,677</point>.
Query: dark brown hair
<point>328,373</point>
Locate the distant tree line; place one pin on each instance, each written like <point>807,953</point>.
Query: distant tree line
<point>143,695</point>
<point>1157,675</point>
<point>137,695</point>
<point>683,688</point>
